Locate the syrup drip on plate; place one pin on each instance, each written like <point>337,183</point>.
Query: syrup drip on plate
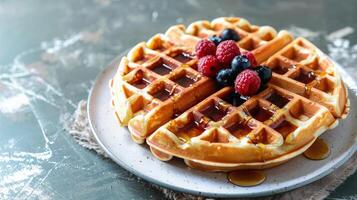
<point>246,178</point>
<point>318,150</point>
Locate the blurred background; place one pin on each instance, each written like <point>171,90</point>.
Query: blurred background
<point>51,51</point>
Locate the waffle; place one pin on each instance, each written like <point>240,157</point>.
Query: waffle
<point>303,69</point>
<point>158,93</point>
<point>158,79</point>
<point>260,130</point>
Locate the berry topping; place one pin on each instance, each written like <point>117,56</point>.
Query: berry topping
<point>215,39</point>
<point>247,83</point>
<point>230,34</point>
<point>204,48</point>
<point>226,51</point>
<point>251,58</point>
<point>225,77</point>
<point>240,63</point>
<point>264,73</point>
<point>208,66</point>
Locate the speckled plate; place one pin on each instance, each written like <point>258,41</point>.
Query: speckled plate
<point>116,141</point>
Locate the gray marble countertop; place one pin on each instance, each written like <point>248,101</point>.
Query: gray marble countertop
<point>51,51</point>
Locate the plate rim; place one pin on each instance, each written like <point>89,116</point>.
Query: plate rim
<point>331,166</point>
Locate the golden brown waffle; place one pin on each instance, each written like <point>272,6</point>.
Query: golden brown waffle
<point>157,84</point>
<point>158,79</point>
<point>265,130</point>
<point>303,69</point>
<point>262,41</point>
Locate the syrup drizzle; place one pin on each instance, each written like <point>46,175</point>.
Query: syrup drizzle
<point>163,94</point>
<point>278,100</point>
<point>319,150</point>
<point>189,131</point>
<point>307,90</point>
<point>308,79</point>
<point>183,57</point>
<point>284,128</point>
<point>162,69</point>
<point>185,81</point>
<point>246,178</point>
<point>261,114</point>
<point>239,129</point>
<point>214,112</point>
<point>141,83</point>
<point>280,70</point>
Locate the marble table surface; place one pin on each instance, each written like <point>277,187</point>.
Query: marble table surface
<point>51,51</point>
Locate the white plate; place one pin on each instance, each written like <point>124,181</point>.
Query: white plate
<point>116,141</point>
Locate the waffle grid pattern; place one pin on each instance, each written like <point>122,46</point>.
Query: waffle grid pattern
<point>264,123</point>
<point>157,84</point>
<point>302,69</point>
<point>153,77</point>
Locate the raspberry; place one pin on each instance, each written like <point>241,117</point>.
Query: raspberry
<point>208,66</point>
<point>226,51</point>
<point>251,58</point>
<point>204,48</point>
<point>247,83</point>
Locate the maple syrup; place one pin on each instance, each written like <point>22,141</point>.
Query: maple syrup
<point>280,70</point>
<point>214,112</point>
<point>260,113</point>
<point>162,69</point>
<point>246,178</point>
<point>141,83</point>
<point>284,128</point>
<point>183,57</point>
<point>307,90</point>
<point>278,100</point>
<point>163,94</point>
<point>185,81</point>
<point>305,77</point>
<point>188,131</point>
<point>239,130</point>
<point>318,150</point>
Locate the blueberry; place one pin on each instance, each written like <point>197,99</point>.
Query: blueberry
<point>215,39</point>
<point>226,77</point>
<point>240,63</point>
<point>264,73</point>
<point>230,34</point>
